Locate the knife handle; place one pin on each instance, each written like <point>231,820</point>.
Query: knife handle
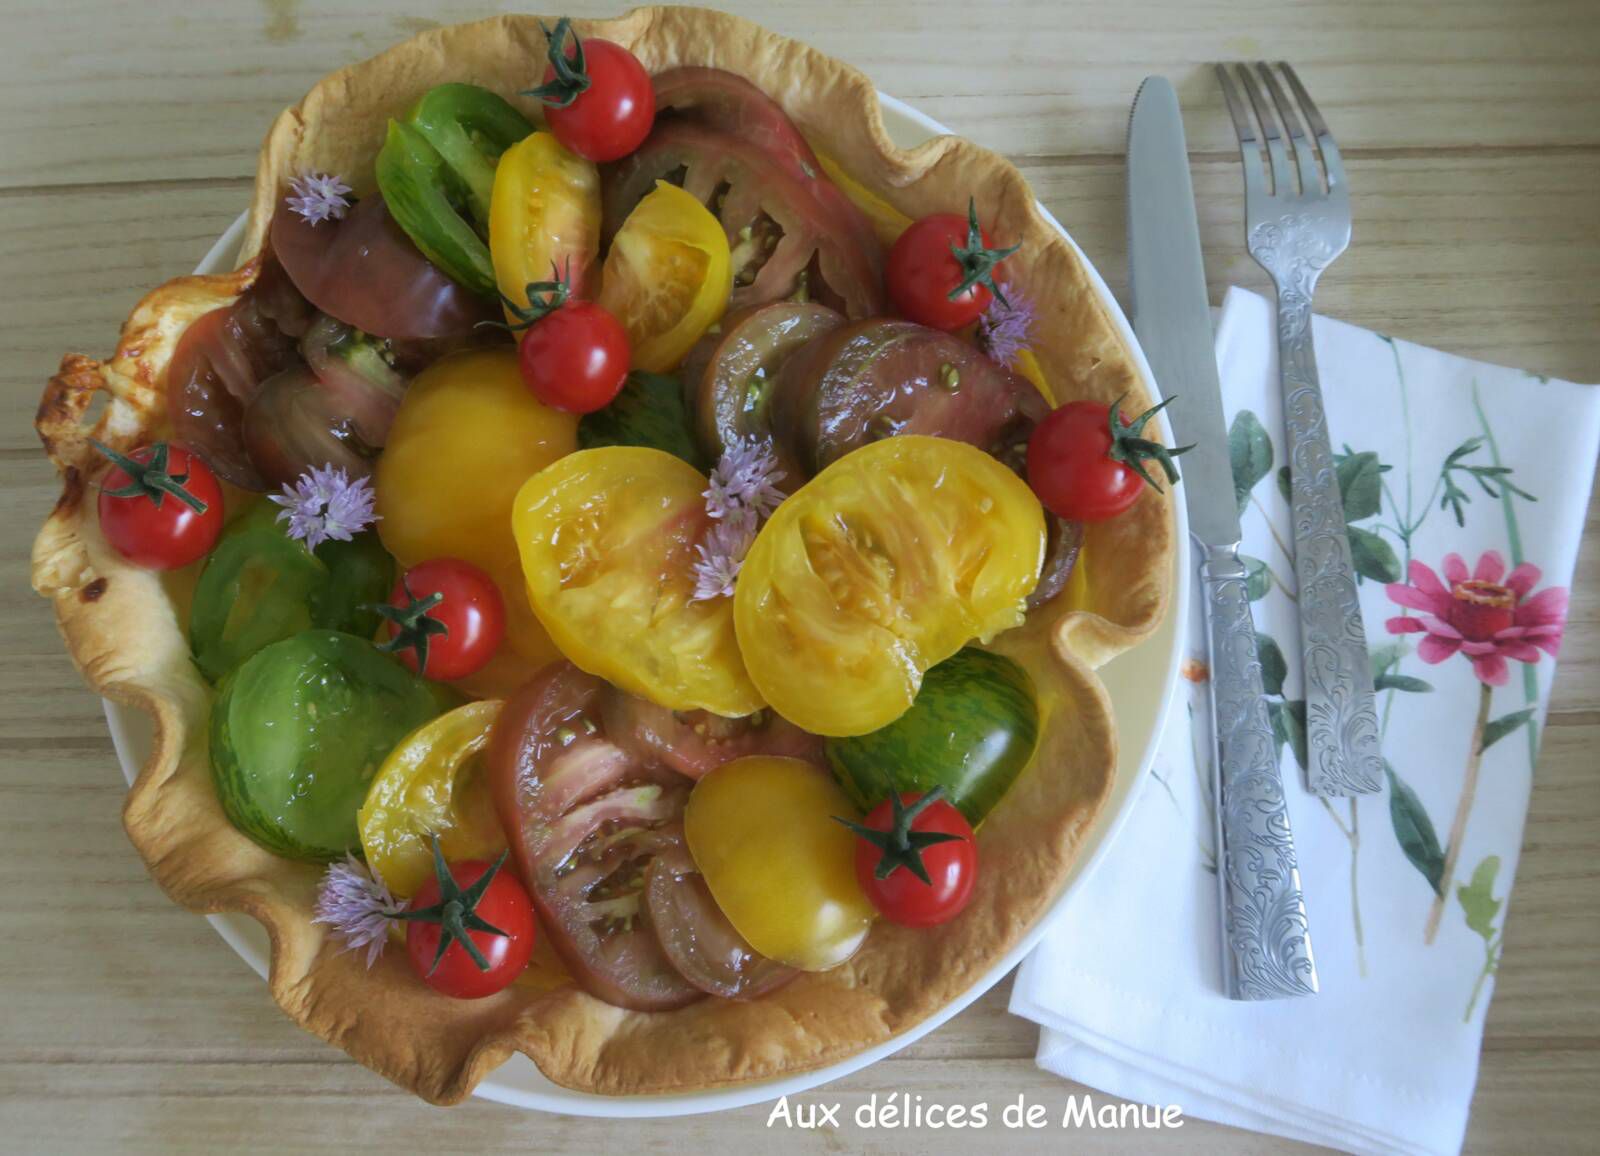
<point>1341,718</point>
<point>1266,950</point>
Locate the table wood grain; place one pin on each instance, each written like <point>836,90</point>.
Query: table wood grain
<point>128,136</point>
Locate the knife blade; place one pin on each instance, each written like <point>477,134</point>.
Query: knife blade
<point>1266,938</point>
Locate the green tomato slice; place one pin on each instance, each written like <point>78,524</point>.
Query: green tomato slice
<point>260,586</point>
<point>299,730</point>
<point>971,729</point>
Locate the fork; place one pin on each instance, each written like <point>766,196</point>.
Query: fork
<point>1295,228</point>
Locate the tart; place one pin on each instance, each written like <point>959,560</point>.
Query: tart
<point>132,631</point>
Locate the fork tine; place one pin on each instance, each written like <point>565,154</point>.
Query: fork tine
<point>1244,128</point>
<point>1319,128</point>
<point>1269,130</point>
<point>1304,155</point>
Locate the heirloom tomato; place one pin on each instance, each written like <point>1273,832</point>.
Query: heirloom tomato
<point>297,732</point>
<point>936,280</point>
<point>544,219</point>
<point>763,834</point>
<point>1086,461</point>
<point>432,786</point>
<point>916,859</point>
<point>160,507</point>
<point>608,542</point>
<point>887,562</point>
<point>470,930</point>
<point>467,436</point>
<point>597,96</point>
<point>667,276</point>
<point>259,586</point>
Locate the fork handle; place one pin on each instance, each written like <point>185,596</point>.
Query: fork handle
<point>1266,952</point>
<point>1341,719</point>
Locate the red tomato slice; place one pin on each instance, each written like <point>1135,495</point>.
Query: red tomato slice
<point>584,820</point>
<point>694,743</point>
<point>815,230</point>
<point>698,938</point>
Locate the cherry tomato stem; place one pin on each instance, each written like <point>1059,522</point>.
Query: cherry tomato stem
<point>160,506</point>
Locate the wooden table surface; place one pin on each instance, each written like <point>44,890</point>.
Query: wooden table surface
<point>128,136</point>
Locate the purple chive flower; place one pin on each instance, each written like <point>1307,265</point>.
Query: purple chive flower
<point>318,197</point>
<point>722,553</point>
<point>324,503</point>
<point>1005,330</point>
<point>357,905</point>
<point>745,478</point>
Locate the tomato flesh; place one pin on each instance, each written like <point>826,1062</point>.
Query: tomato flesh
<point>884,564</point>
<point>584,819</point>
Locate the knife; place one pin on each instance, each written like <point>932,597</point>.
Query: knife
<point>1266,950</point>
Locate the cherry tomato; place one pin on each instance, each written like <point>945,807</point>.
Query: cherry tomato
<point>1082,473</point>
<point>575,358</point>
<point>941,270</point>
<point>446,619</point>
<point>916,859</point>
<point>504,905</point>
<point>160,506</point>
<point>598,98</point>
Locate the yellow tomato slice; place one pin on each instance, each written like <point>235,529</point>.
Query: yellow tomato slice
<point>544,214</point>
<point>467,436</point>
<point>887,221</point>
<point>762,832</point>
<point>667,276</point>
<point>607,538</point>
<point>432,784</point>
<point>887,562</point>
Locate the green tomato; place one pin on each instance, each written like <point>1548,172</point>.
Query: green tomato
<point>648,412</point>
<point>260,586</point>
<point>971,729</point>
<point>299,730</point>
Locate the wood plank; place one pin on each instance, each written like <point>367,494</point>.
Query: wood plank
<point>167,89</point>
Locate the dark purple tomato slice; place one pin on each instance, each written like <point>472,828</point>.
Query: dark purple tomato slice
<point>365,271</point>
<point>585,820</point>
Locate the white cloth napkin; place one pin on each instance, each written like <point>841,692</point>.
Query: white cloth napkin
<point>1126,984</point>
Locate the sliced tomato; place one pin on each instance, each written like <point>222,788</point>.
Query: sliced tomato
<point>728,102</point>
<point>666,277</point>
<point>788,235</point>
<point>696,742</point>
<point>698,939</point>
<point>432,784</point>
<point>729,376</point>
<point>544,217</point>
<point>608,538</point>
<point>884,564</point>
<point>584,820</point>
<point>875,379</point>
<point>365,271</point>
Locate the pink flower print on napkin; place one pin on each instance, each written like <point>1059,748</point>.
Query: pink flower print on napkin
<point>1488,615</point>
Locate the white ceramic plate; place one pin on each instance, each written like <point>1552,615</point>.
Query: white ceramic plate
<point>1140,683</point>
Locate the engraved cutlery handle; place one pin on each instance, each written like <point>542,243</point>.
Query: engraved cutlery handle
<point>1342,755</point>
<point>1266,941</point>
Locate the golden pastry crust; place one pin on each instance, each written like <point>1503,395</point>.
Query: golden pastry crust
<point>123,626</point>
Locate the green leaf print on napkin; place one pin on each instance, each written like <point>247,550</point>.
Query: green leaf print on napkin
<point>1504,725</point>
<point>1403,682</point>
<point>1414,829</point>
<point>1250,453</point>
<point>1257,578</point>
<point>1360,483</point>
<point>1273,667</point>
<point>1481,909</point>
